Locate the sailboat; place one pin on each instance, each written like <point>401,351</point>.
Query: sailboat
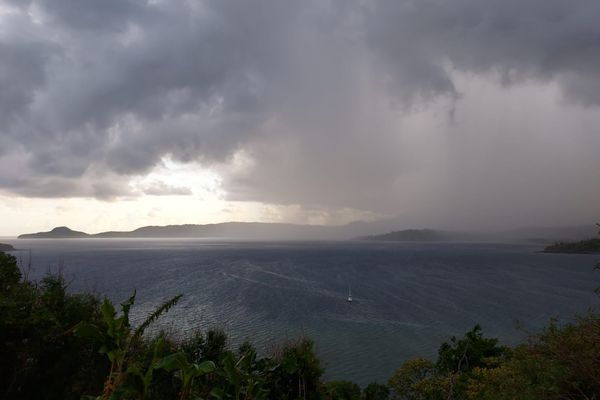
<point>349,295</point>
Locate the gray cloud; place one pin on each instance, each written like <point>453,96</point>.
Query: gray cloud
<point>318,96</point>
<point>22,61</point>
<point>516,39</point>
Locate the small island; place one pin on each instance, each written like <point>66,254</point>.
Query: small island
<point>589,246</point>
<point>6,247</point>
<point>411,235</point>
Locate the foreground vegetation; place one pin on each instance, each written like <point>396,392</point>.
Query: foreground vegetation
<point>58,345</point>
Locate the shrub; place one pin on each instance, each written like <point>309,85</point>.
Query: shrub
<point>376,391</point>
<point>39,356</point>
<point>341,390</point>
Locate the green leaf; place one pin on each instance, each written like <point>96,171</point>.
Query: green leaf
<point>158,349</point>
<point>135,371</point>
<point>125,307</point>
<point>230,369</point>
<point>86,330</point>
<point>204,368</point>
<point>108,312</point>
<point>173,362</point>
<point>217,393</point>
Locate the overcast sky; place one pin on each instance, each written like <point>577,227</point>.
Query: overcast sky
<point>464,114</point>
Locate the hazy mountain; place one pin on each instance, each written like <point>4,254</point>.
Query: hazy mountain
<point>61,232</point>
<point>240,230</point>
<point>391,229</point>
<point>243,230</point>
<point>413,235</point>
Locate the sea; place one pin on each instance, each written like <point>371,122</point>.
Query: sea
<point>408,298</point>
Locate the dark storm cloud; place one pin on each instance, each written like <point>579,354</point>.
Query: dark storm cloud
<point>126,68</point>
<point>531,39</point>
<point>293,102</point>
<point>22,62</point>
<point>92,15</point>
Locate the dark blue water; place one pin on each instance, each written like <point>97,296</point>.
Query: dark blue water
<point>408,298</point>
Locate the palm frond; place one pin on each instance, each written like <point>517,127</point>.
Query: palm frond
<point>163,308</point>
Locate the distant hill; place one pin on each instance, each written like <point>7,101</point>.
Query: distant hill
<point>241,230</point>
<point>249,230</point>
<point>360,229</point>
<point>412,235</point>
<point>589,246</point>
<point>61,232</point>
<point>538,235</point>
<point>6,247</point>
